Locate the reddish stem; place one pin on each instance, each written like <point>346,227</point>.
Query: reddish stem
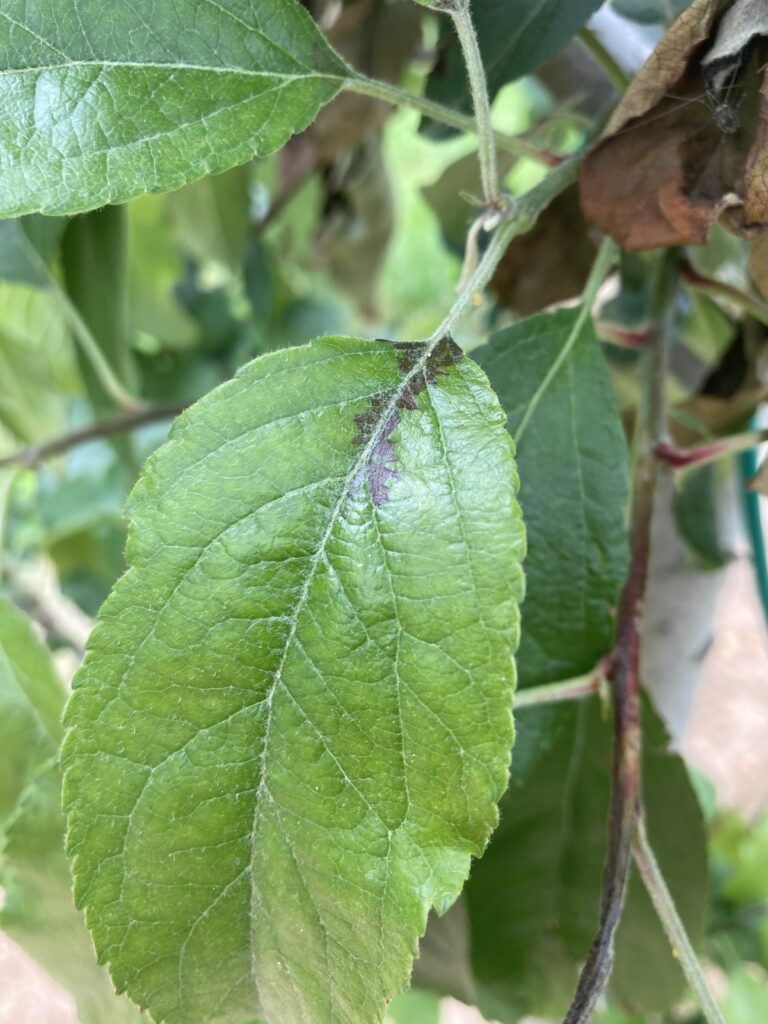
<point>623,337</point>
<point>679,458</point>
<point>625,667</point>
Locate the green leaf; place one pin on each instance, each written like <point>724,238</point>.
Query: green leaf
<point>511,46</point>
<point>700,516</point>
<point>293,721</point>
<point>20,262</point>
<point>94,260</point>
<point>31,702</point>
<point>746,998</point>
<point>37,363</point>
<point>533,899</point>
<point>211,217</point>
<point>99,105</point>
<point>414,1008</point>
<point>444,963</point>
<point>155,268</point>
<point>572,459</point>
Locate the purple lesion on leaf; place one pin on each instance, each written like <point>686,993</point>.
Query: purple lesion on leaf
<point>378,423</point>
<point>377,469</point>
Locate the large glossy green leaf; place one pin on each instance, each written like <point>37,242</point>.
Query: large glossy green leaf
<point>572,458</point>
<point>293,721</point>
<point>101,100</point>
<point>513,42</point>
<point>534,897</point>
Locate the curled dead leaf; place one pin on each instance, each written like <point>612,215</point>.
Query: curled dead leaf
<point>688,144</point>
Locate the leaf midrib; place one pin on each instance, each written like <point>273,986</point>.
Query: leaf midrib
<point>262,790</point>
<point>171,66</point>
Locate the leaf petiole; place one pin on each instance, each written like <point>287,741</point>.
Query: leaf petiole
<point>446,115</point>
<point>661,897</point>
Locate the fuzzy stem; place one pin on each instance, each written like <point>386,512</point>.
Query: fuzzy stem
<point>445,115</point>
<point>90,347</point>
<point>626,659</point>
<point>556,693</point>
<point>665,907</point>
<point>518,219</point>
<point>481,104</point>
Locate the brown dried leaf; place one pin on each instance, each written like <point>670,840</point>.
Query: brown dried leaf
<point>666,65</point>
<point>756,176</point>
<point>551,263</point>
<point>665,171</point>
<point>718,416</point>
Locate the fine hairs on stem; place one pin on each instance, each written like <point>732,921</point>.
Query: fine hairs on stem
<point>478,87</point>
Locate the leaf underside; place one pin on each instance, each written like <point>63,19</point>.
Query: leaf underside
<point>293,721</point>
<point>102,102</point>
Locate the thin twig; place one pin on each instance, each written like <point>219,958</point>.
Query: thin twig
<point>35,453</point>
<point>111,383</point>
<point>665,907</point>
<point>481,104</point>
<point>625,669</point>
